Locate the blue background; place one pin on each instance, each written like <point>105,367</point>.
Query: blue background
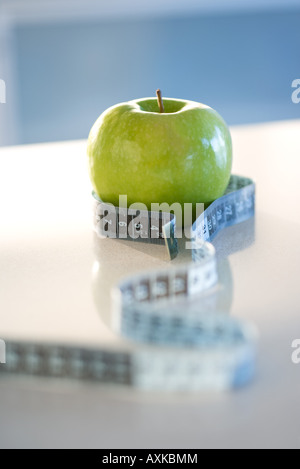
<point>69,72</point>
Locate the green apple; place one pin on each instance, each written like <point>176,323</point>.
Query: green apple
<point>154,152</point>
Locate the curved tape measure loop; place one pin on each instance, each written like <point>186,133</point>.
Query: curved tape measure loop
<point>150,307</point>
<point>210,349</point>
<point>235,206</point>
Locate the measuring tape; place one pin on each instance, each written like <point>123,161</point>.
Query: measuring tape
<point>235,206</point>
<point>169,308</point>
<point>151,227</point>
<point>187,345</point>
<point>161,369</point>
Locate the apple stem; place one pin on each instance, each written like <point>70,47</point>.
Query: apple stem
<point>160,101</point>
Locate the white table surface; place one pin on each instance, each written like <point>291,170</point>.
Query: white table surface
<point>54,285</point>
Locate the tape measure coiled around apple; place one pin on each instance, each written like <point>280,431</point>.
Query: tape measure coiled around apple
<point>235,206</point>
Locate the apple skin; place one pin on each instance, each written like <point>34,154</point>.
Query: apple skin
<point>182,155</point>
